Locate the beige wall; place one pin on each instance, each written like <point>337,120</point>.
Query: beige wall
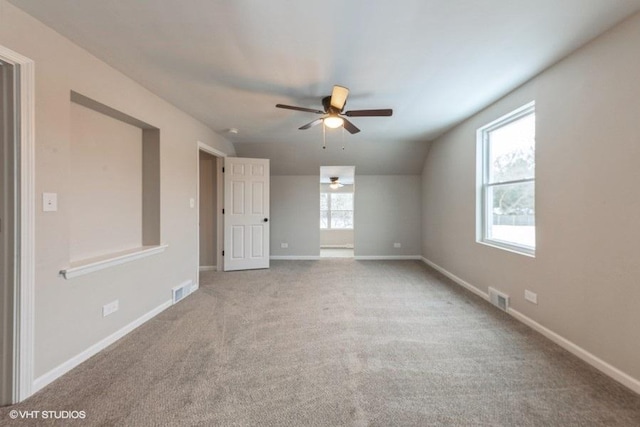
<point>208,210</point>
<point>330,238</point>
<point>295,215</point>
<point>105,184</point>
<point>387,211</point>
<point>586,267</point>
<point>68,313</point>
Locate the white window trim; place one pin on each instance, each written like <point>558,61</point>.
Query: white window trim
<point>329,228</point>
<point>482,178</point>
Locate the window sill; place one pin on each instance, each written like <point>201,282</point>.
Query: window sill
<point>90,265</point>
<point>509,248</point>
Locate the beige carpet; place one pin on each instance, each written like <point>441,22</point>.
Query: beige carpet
<point>335,342</point>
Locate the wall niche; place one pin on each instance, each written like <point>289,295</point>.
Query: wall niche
<point>114,191</point>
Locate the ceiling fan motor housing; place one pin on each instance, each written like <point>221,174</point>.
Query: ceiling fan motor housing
<point>326,103</point>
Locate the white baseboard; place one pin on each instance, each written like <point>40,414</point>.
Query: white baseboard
<point>468,286</point>
<point>194,288</point>
<point>386,257</point>
<point>65,367</point>
<point>604,367</point>
<point>345,246</point>
<point>361,258</point>
<point>208,268</point>
<point>591,359</point>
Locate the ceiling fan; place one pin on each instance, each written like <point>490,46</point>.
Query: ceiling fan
<point>335,183</point>
<point>332,116</point>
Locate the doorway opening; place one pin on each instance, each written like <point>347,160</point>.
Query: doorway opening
<point>337,193</point>
<point>7,229</point>
<point>210,202</point>
<point>17,163</point>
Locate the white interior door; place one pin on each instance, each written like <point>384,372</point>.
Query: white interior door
<point>246,213</point>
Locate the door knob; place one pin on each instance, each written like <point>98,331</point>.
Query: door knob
<point>266,220</point>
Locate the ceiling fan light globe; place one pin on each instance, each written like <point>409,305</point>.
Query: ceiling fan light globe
<point>333,122</point>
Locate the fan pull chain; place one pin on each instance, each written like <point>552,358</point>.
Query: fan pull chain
<point>324,137</point>
<point>343,138</point>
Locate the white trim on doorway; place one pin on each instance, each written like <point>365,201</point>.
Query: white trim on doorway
<point>201,146</point>
<point>24,311</point>
<point>209,149</point>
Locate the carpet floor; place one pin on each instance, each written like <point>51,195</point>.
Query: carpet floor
<point>331,343</point>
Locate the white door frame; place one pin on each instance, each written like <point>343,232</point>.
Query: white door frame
<point>24,285</point>
<point>219,204</point>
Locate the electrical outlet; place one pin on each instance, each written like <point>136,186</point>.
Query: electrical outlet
<point>284,245</point>
<point>110,308</point>
<point>192,203</point>
<point>531,297</point>
<point>397,245</point>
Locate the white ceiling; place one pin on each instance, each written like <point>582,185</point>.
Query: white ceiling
<point>227,63</point>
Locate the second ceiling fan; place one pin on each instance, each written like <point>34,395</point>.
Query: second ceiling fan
<point>332,116</point>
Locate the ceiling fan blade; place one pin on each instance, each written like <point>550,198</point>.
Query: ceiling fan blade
<point>306,110</point>
<point>339,97</point>
<point>350,126</point>
<point>369,113</point>
<point>311,124</point>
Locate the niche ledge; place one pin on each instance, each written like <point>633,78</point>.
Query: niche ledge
<point>89,265</point>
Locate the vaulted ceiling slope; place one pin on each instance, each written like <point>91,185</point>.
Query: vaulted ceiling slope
<point>227,63</point>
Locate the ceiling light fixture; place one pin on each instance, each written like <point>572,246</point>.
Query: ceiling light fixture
<point>333,122</point>
<point>335,183</point>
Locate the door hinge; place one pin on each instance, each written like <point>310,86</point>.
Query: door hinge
<point>223,169</point>
<point>222,253</point>
<point>222,211</point>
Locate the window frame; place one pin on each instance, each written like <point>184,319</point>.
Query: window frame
<point>483,207</point>
<point>329,210</point>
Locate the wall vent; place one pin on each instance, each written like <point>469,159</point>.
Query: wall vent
<point>499,299</point>
<point>182,291</point>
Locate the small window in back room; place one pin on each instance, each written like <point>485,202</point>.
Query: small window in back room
<point>336,211</point>
<point>506,176</point>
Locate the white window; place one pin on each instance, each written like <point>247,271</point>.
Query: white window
<point>336,211</point>
<point>506,178</point>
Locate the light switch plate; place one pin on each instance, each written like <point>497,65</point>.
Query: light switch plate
<point>531,297</point>
<point>110,308</point>
<point>49,202</point>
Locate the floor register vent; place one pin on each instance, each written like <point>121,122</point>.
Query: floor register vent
<point>499,299</point>
<point>182,291</point>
